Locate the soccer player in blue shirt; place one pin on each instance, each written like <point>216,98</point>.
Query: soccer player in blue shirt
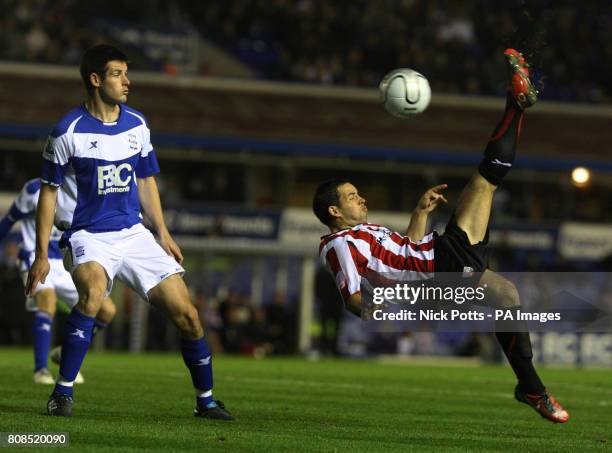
<point>100,156</point>
<point>58,283</point>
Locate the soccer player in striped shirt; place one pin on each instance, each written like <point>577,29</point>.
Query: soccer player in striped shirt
<point>355,247</point>
<point>59,283</point>
<point>100,156</point>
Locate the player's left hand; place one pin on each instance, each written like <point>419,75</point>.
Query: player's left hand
<point>432,199</point>
<point>171,247</point>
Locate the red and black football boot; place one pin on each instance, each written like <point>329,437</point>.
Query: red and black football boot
<point>544,404</point>
<point>520,86</point>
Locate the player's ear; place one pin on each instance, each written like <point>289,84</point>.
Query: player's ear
<point>334,211</point>
<point>95,80</point>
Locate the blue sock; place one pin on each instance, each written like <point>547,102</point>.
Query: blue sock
<point>199,361</point>
<point>77,337</point>
<point>41,332</point>
<point>63,389</point>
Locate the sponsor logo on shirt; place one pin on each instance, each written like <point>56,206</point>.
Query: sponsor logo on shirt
<point>133,142</point>
<point>385,235</point>
<point>114,178</point>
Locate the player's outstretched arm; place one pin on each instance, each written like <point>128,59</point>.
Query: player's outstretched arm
<point>427,203</point>
<point>44,222</point>
<point>148,195</point>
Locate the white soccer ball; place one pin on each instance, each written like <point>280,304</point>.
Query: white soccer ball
<point>405,92</point>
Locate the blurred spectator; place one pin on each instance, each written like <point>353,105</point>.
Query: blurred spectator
<point>236,314</point>
<point>280,326</point>
<point>331,310</point>
<point>170,67</point>
<point>15,321</point>
<point>353,338</point>
<point>405,344</point>
<point>161,334</point>
<point>36,43</point>
<point>470,347</point>
<point>208,311</point>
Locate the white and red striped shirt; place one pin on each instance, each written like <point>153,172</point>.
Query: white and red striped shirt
<point>368,248</point>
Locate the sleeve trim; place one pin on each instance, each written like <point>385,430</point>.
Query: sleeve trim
<point>49,183</point>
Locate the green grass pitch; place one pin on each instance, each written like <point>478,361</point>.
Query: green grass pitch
<point>145,402</point>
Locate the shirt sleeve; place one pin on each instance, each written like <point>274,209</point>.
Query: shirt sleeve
<point>6,223</point>
<point>340,262</point>
<point>147,164</point>
<point>24,204</point>
<point>56,159</point>
<point>26,201</point>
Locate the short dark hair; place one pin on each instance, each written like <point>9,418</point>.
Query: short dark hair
<point>94,61</point>
<point>325,196</point>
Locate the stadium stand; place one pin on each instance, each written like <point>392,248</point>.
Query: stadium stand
<point>339,43</point>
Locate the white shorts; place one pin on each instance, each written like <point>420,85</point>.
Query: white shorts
<point>132,255</point>
<point>58,279</point>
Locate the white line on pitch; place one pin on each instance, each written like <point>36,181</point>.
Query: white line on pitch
<point>298,382</point>
<point>292,382</point>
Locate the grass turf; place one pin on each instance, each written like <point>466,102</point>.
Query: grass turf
<point>136,402</point>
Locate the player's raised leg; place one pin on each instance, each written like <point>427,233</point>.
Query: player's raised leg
<point>92,284</point>
<point>172,297</point>
<point>472,216</point>
<point>474,205</point>
<point>45,300</point>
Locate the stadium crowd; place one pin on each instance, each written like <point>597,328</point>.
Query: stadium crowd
<point>454,43</point>
<point>349,42</point>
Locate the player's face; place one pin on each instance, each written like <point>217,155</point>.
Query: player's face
<point>352,209</point>
<point>114,87</point>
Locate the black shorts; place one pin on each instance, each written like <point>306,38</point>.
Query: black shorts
<point>454,253</point>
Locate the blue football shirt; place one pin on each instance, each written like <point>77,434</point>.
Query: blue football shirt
<point>96,165</point>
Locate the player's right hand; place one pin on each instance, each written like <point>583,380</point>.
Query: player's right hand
<point>432,199</point>
<point>171,247</point>
<point>37,274</point>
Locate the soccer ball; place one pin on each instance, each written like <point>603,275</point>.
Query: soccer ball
<point>405,92</point>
